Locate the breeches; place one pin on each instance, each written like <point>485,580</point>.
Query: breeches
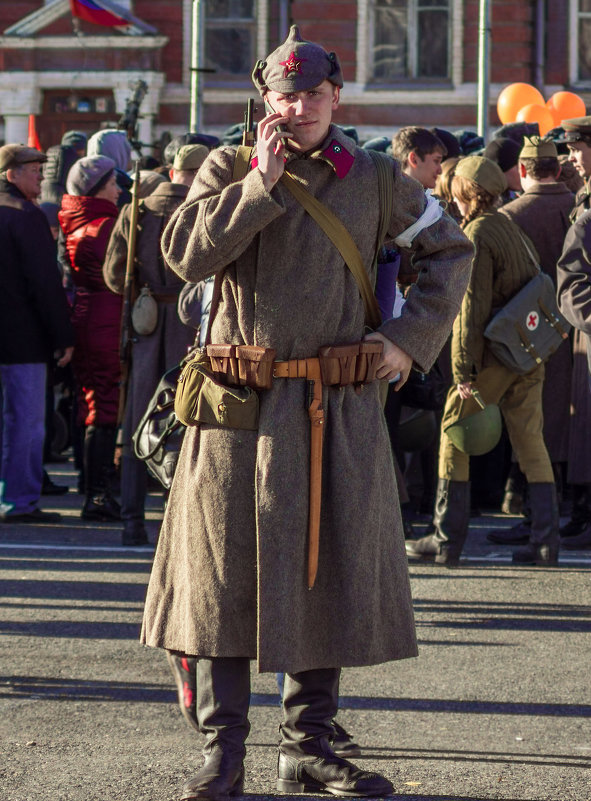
<point>519,398</point>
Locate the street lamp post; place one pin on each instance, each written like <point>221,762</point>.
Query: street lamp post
<point>483,68</point>
<point>196,62</point>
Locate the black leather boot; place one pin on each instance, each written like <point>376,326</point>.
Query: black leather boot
<point>134,482</point>
<point>307,763</point>
<point>451,519</point>
<point>581,511</point>
<point>223,695</point>
<point>514,492</point>
<point>544,538</point>
<point>99,449</point>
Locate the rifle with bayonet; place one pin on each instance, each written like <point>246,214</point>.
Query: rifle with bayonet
<point>129,119</point>
<point>248,132</point>
<point>129,289</point>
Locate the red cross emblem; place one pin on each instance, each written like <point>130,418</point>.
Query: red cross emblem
<point>293,64</point>
<point>533,320</point>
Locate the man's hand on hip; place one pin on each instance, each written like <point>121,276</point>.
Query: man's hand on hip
<point>394,360</point>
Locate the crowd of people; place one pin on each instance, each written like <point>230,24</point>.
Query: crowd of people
<point>466,227</point>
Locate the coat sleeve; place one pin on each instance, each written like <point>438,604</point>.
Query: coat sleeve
<point>115,264</point>
<point>37,252</point>
<point>468,330</point>
<point>219,218</point>
<point>442,257</point>
<point>574,275</point>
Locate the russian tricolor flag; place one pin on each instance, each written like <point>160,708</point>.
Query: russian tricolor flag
<point>95,11</point>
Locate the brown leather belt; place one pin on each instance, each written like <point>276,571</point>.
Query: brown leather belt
<point>165,297</point>
<point>335,365</point>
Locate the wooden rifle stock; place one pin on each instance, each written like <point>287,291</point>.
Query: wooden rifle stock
<point>248,133</point>
<point>126,335</point>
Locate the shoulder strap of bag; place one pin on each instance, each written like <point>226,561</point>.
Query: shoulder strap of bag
<point>531,255</point>
<point>240,170</point>
<point>342,240</point>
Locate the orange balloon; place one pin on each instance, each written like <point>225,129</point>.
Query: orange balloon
<point>514,97</point>
<point>565,105</point>
<point>533,112</point>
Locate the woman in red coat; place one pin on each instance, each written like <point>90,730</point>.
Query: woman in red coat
<point>87,217</point>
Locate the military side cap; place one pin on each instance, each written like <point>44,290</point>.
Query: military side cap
<point>296,65</point>
<point>190,157</point>
<point>534,147</point>
<point>576,128</point>
<point>15,155</point>
<point>483,172</point>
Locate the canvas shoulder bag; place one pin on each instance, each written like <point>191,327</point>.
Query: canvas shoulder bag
<point>529,328</point>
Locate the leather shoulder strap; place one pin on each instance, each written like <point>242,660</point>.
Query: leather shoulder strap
<point>342,240</point>
<point>240,171</point>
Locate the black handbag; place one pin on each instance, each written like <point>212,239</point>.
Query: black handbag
<point>425,390</point>
<point>158,438</point>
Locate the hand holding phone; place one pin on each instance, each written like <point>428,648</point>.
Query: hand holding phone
<point>272,138</point>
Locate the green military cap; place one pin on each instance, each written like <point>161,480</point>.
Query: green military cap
<point>296,65</point>
<point>483,172</point>
<point>190,157</point>
<point>14,155</point>
<point>534,147</point>
<point>576,129</point>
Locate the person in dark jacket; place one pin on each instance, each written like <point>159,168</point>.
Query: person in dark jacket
<point>34,328</point>
<point>87,217</point>
<point>156,352</point>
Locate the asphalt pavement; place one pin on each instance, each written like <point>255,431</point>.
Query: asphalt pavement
<point>497,705</point>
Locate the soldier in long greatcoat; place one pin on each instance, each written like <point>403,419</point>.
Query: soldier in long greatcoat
<point>229,578</point>
<point>156,352</point>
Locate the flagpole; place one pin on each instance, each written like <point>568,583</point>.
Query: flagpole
<point>196,61</point>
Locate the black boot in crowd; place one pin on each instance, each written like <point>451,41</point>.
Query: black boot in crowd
<point>544,540</point>
<point>576,534</point>
<point>307,762</point>
<point>134,484</point>
<point>223,697</point>
<point>99,450</point>
<point>451,520</point>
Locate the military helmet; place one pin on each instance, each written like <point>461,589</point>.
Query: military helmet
<point>477,433</point>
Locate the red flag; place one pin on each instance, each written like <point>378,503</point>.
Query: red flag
<point>33,139</point>
<point>93,11</point>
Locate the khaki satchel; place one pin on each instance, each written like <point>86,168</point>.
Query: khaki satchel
<point>529,328</point>
<point>201,398</point>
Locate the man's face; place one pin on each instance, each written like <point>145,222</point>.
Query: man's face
<point>27,178</point>
<point>425,170</point>
<point>309,113</point>
<point>579,153</point>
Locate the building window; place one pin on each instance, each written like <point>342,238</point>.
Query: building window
<point>584,40</point>
<point>230,37</point>
<point>409,39</point>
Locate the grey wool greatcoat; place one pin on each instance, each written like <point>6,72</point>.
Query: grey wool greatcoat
<point>229,573</point>
<point>157,352</point>
<point>542,212</point>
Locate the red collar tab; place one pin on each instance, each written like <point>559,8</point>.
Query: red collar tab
<point>339,157</point>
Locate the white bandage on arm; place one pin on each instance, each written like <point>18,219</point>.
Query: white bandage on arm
<point>432,213</point>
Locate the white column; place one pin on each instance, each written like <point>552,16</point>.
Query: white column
<point>16,128</point>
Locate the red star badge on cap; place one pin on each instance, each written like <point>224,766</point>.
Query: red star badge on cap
<point>293,64</point>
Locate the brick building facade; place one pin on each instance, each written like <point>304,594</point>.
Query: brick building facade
<point>405,61</point>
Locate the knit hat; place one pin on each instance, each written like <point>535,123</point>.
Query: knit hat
<point>190,157</point>
<point>111,143</point>
<point>449,140</point>
<point>535,147</point>
<point>504,152</point>
<point>483,172</point>
<point>87,173</point>
<point>15,155</point>
<point>469,141</point>
<point>75,139</point>
<point>296,65</point>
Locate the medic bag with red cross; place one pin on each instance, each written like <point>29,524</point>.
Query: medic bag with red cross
<point>529,328</point>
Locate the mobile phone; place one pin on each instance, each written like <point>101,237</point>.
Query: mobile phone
<point>280,128</point>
